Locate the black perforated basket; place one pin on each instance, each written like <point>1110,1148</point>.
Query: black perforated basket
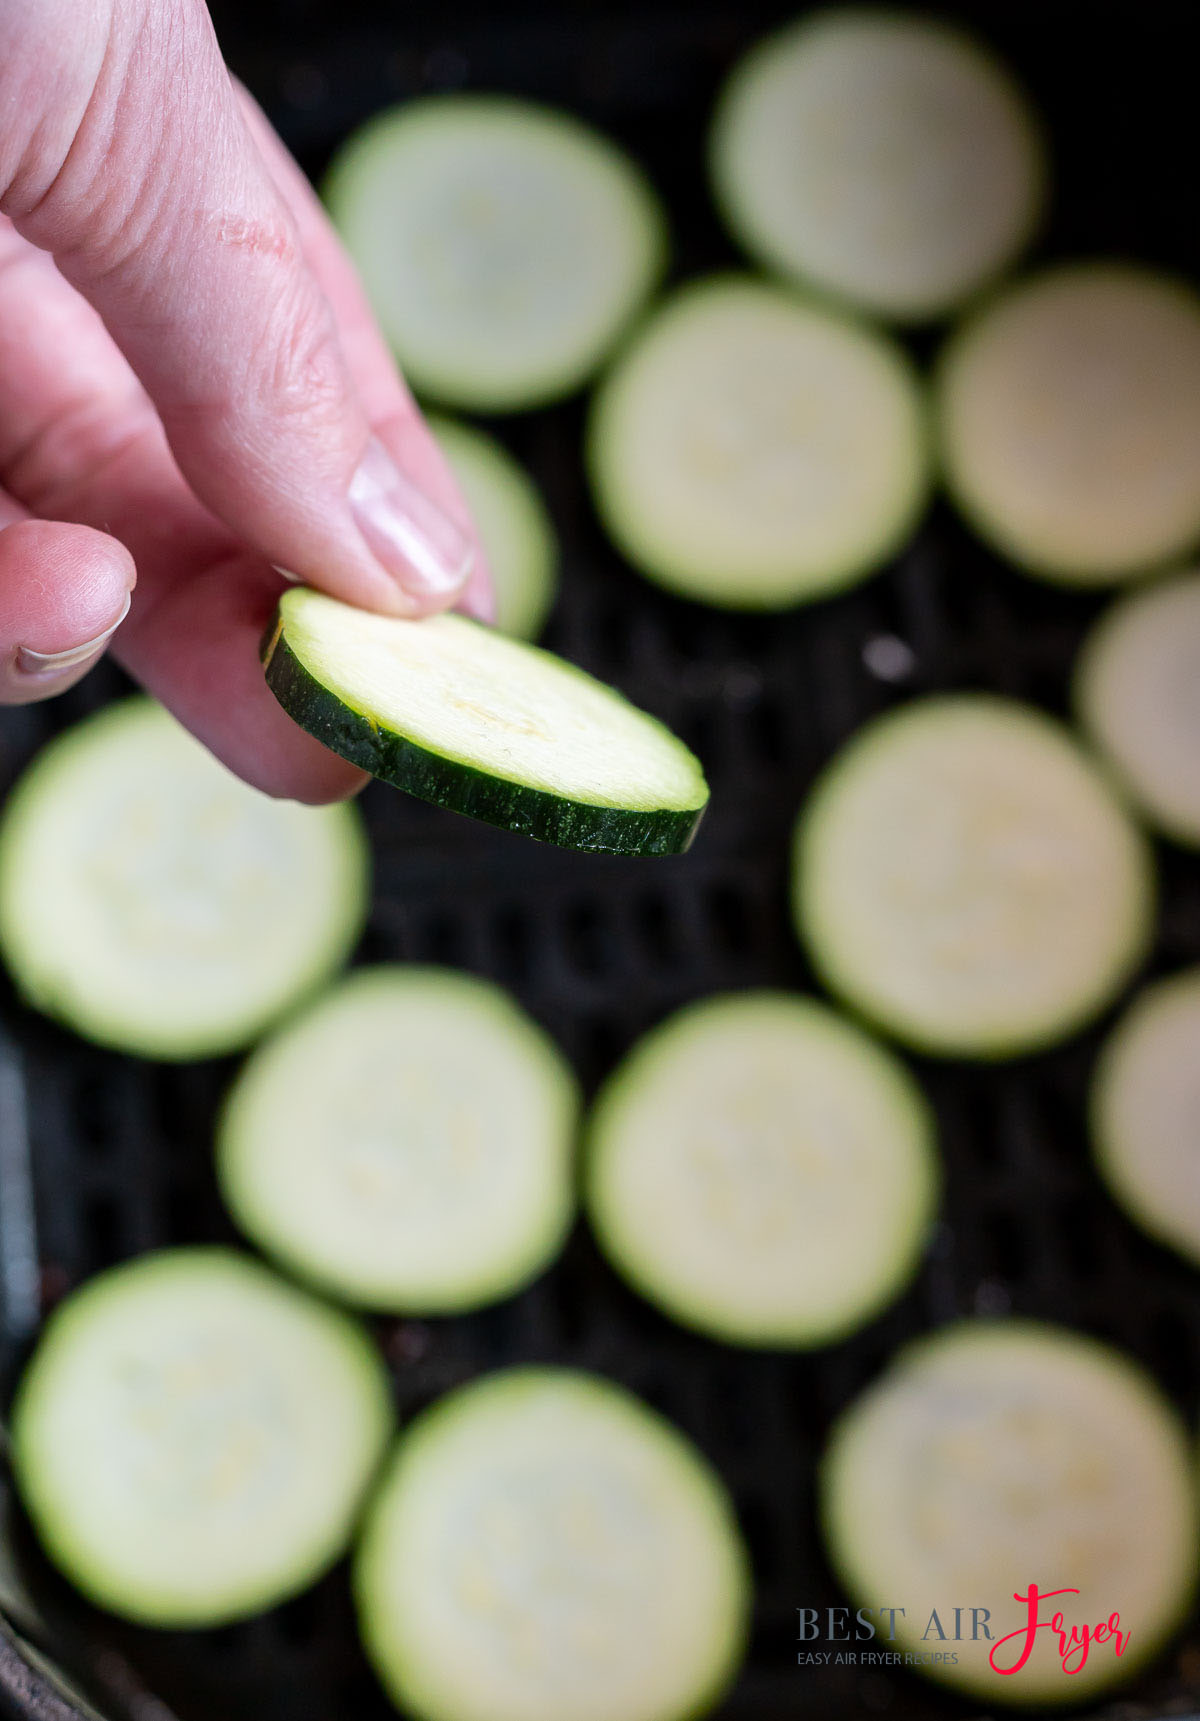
<point>102,1156</point>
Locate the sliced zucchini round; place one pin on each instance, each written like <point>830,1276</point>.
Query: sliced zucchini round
<point>1145,1111</point>
<point>193,1437</point>
<point>1137,692</point>
<point>1069,415</point>
<point>503,245</point>
<point>965,877</point>
<point>752,450</point>
<point>997,1455</point>
<point>545,1548</point>
<point>352,1150</point>
<point>155,903</point>
<point>514,527</point>
<point>763,1170</point>
<point>459,715</point>
<point>884,158</point>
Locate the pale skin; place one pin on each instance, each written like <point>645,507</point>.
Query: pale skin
<point>193,392</point>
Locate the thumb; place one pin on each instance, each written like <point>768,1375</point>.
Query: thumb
<point>124,153</point>
<point>66,592</point>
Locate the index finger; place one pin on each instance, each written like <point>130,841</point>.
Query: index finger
<point>389,405</point>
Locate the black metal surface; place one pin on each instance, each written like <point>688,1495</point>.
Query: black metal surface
<point>598,949</point>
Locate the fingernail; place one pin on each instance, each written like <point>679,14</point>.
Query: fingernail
<point>31,662</point>
<point>419,546</point>
<point>287,574</point>
<point>478,601</point>
<point>478,606</point>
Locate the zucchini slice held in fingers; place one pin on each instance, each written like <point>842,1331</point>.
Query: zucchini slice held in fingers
<point>763,1170</point>
<point>753,450</point>
<point>457,714</point>
<point>407,1144</point>
<point>966,878</point>
<point>1145,1111</point>
<point>193,1436</point>
<point>155,903</point>
<point>1137,693</point>
<point>544,1547</point>
<point>997,1455</point>
<point>888,160</point>
<point>514,527</point>
<point>503,245</point>
<point>1068,410</point>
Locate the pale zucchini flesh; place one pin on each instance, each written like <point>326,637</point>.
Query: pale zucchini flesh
<point>544,1547</point>
<point>155,903</point>
<point>1137,692</point>
<point>457,714</point>
<point>504,246</point>
<point>881,158</point>
<point>193,1437</point>
<point>752,450</point>
<point>762,1170</point>
<point>354,1149</point>
<point>1068,412</point>
<point>965,877</point>
<point>513,524</point>
<point>1145,1111</point>
<point>998,1454</point>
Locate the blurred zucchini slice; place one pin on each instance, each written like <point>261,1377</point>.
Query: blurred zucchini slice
<point>752,450</point>
<point>1137,692</point>
<point>193,1437</point>
<point>504,246</point>
<point>544,1547</point>
<point>352,1149</point>
<point>1145,1111</point>
<point>965,877</point>
<point>1069,418</point>
<point>996,1455</point>
<point>762,1170</point>
<point>883,158</point>
<point>155,903</point>
<point>513,524</point>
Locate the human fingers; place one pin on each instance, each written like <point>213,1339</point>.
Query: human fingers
<point>389,405</point>
<point>66,590</point>
<point>126,155</point>
<point>80,442</point>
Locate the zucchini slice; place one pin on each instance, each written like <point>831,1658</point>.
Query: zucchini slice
<point>1145,1111</point>
<point>352,1150</point>
<point>1069,416</point>
<point>514,527</point>
<point>503,245</point>
<point>763,1170</point>
<point>457,714</point>
<point>545,1548</point>
<point>965,877</point>
<point>193,1437</point>
<point>1137,692</point>
<point>155,903</point>
<point>752,450</point>
<point>885,159</point>
<point>998,1454</point>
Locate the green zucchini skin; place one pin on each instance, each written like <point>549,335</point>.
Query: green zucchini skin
<point>446,783</point>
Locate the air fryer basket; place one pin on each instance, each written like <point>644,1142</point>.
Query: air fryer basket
<point>102,1156</point>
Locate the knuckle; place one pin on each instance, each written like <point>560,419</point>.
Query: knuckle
<point>74,453</point>
<point>49,72</point>
<point>302,371</point>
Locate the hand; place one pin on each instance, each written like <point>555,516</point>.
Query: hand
<point>190,376</point>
